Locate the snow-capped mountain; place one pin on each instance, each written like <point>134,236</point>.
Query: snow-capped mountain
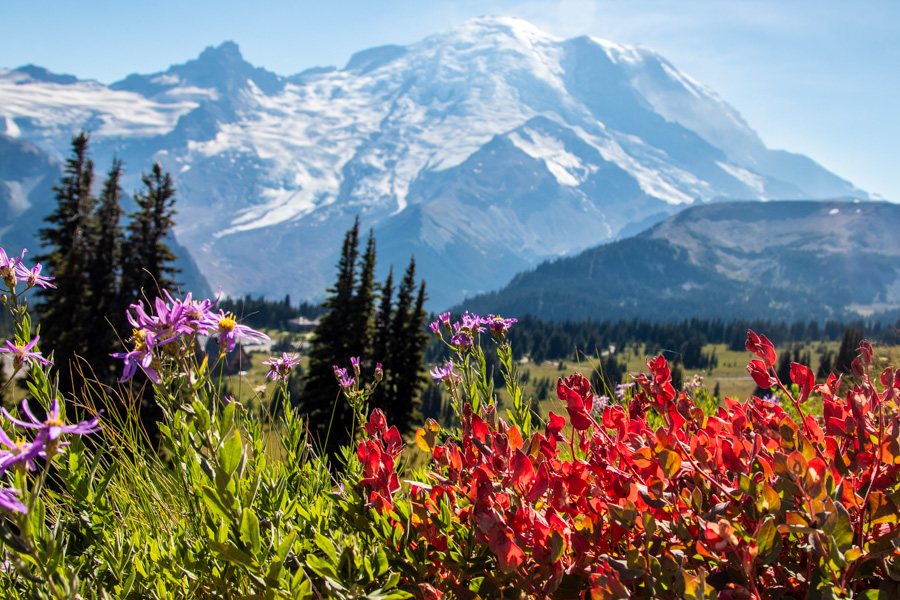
<point>482,150</point>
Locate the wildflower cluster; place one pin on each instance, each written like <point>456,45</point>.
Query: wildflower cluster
<point>170,332</point>
<point>45,444</point>
<point>742,503</point>
<point>12,271</point>
<point>280,368</point>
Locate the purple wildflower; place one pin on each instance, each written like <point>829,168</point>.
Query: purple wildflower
<point>499,326</point>
<point>22,353</point>
<point>343,377</point>
<point>444,375</point>
<point>141,356</point>
<point>229,331</point>
<point>379,372</point>
<point>53,427</point>
<point>280,368</point>
<point>461,340</point>
<point>8,268</point>
<point>472,322</point>
<point>435,327</point>
<point>9,501</point>
<point>354,361</point>
<point>19,451</point>
<point>33,276</point>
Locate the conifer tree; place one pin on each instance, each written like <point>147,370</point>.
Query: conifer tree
<point>408,340</point>
<point>66,313</point>
<point>362,307</point>
<point>329,416</point>
<point>109,322</point>
<point>381,348</point>
<point>148,260</point>
<point>848,351</point>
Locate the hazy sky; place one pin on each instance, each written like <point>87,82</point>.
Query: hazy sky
<point>819,77</point>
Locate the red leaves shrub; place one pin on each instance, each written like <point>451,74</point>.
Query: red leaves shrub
<point>744,503</point>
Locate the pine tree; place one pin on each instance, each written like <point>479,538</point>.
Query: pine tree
<point>362,307</point>
<point>66,313</point>
<point>109,321</point>
<point>849,350</point>
<point>148,260</point>
<point>407,345</point>
<point>328,414</point>
<point>381,343</point>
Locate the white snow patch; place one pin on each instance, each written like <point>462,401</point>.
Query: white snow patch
<point>751,180</point>
<point>618,53</point>
<point>166,79</point>
<point>834,211</point>
<point>61,109</point>
<point>12,130</point>
<point>565,166</point>
<point>18,197</point>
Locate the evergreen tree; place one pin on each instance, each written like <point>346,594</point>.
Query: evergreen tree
<point>148,260</point>
<point>825,366</point>
<point>848,351</point>
<point>362,307</point>
<point>381,343</point>
<point>66,313</point>
<point>329,416</point>
<point>109,320</point>
<point>407,346</point>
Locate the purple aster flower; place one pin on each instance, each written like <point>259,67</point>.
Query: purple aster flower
<point>354,361</point>
<point>8,268</point>
<point>379,372</point>
<point>9,501</point>
<point>19,451</point>
<point>22,353</point>
<point>461,340</point>
<point>343,377</point>
<point>445,374</point>
<point>195,316</point>
<point>33,276</point>
<point>435,327</point>
<point>280,368</point>
<point>229,331</point>
<point>499,326</point>
<point>53,427</point>
<point>141,356</point>
<point>472,322</point>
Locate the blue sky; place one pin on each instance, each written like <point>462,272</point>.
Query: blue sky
<point>820,77</point>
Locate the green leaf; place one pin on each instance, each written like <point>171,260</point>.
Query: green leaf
<point>769,541</point>
<point>284,547</point>
<point>231,453</point>
<point>229,552</point>
<point>381,562</point>
<point>843,529</point>
<point>321,567</point>
<point>670,462</point>
<point>326,546</point>
<point>250,530</point>
<point>211,498</point>
<point>747,485</point>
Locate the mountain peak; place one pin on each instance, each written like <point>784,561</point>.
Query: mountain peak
<point>493,29</point>
<point>227,52</point>
<point>36,73</point>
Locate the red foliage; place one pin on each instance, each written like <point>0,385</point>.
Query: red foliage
<point>747,500</point>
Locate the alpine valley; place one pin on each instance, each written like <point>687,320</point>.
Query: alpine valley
<point>483,151</point>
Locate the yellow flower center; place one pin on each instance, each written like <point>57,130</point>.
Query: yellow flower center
<point>227,324</point>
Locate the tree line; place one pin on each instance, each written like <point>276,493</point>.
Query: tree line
<point>376,323</point>
<point>100,266</point>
